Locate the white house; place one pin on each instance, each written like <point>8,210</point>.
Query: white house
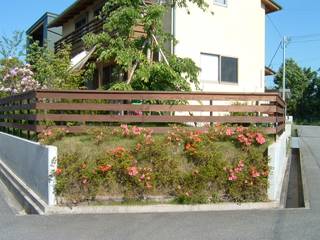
<point>227,41</point>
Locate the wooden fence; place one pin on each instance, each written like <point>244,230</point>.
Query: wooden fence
<point>76,110</point>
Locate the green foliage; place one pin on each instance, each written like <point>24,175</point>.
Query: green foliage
<point>296,81</point>
<point>134,54</point>
<point>53,70</point>
<point>12,47</point>
<point>304,84</point>
<point>190,166</point>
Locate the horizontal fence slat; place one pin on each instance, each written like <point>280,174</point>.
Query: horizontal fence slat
<point>145,119</point>
<point>154,96</point>
<point>18,107</point>
<point>17,97</point>
<point>19,126</point>
<point>154,107</point>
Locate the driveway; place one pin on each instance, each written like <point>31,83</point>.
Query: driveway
<point>300,224</point>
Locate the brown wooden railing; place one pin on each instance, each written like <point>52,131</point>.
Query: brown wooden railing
<point>75,38</point>
<point>77,110</point>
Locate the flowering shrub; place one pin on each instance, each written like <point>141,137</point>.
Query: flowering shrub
<point>19,79</point>
<point>49,135</point>
<point>221,164</point>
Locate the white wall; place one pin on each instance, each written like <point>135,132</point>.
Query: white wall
<point>278,156</point>
<point>236,30</point>
<point>32,163</point>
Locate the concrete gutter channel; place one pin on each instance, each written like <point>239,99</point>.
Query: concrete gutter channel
<point>294,195</point>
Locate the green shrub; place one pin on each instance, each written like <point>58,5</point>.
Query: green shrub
<point>222,164</point>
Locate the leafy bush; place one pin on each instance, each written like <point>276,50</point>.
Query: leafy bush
<point>221,164</point>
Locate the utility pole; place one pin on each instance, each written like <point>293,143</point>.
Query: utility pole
<point>284,42</point>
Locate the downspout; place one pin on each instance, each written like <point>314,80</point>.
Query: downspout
<point>173,27</point>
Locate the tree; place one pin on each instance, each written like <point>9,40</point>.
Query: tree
<point>52,70</point>
<point>12,47</point>
<point>297,81</point>
<point>134,54</point>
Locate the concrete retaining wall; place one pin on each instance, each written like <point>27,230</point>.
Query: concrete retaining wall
<point>278,155</point>
<point>32,163</point>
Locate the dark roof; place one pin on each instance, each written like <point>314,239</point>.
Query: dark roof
<point>40,21</point>
<point>269,72</point>
<point>271,6</point>
<point>71,11</point>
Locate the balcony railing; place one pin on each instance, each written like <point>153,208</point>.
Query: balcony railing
<point>75,38</point>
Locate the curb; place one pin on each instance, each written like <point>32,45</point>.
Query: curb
<point>161,208</point>
<point>23,194</point>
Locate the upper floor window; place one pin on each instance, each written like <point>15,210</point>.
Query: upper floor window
<point>80,23</point>
<point>221,2</point>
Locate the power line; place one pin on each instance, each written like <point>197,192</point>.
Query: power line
<point>306,41</point>
<point>275,54</point>
<point>306,36</point>
<point>275,27</point>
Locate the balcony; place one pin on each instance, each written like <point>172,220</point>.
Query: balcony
<point>75,38</point>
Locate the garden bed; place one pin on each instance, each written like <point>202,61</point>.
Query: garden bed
<point>132,165</point>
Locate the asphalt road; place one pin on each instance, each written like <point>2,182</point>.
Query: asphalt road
<point>300,224</point>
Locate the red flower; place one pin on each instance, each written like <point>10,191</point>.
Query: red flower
<point>105,168</point>
<point>118,151</point>
<point>138,147</point>
<point>58,171</point>
<point>260,139</point>
<point>133,171</point>
<point>229,132</point>
<point>254,173</point>
<point>136,130</point>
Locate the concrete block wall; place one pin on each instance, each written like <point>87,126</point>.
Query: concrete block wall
<point>32,163</point>
<point>278,156</point>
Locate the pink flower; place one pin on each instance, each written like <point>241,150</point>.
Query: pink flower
<point>229,132</point>
<point>136,130</point>
<point>239,129</point>
<point>254,173</point>
<point>232,177</point>
<point>260,139</point>
<point>133,171</point>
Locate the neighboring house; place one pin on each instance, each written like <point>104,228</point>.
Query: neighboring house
<point>227,41</point>
<point>40,31</point>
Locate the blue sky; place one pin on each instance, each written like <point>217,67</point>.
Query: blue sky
<point>298,17</point>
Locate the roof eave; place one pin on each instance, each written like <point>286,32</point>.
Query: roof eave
<point>271,6</point>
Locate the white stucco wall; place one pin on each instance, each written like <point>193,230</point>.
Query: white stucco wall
<point>236,30</point>
<point>278,156</point>
<point>32,163</point>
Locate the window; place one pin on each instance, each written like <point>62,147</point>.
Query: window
<point>229,69</point>
<point>215,68</point>
<point>220,2</point>
<point>80,23</point>
<point>209,68</point>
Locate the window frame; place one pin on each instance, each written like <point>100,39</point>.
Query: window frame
<point>221,4</point>
<point>220,81</point>
<point>237,74</point>
<point>80,18</point>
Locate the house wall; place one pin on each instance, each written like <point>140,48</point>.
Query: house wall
<point>69,27</point>
<point>236,30</point>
